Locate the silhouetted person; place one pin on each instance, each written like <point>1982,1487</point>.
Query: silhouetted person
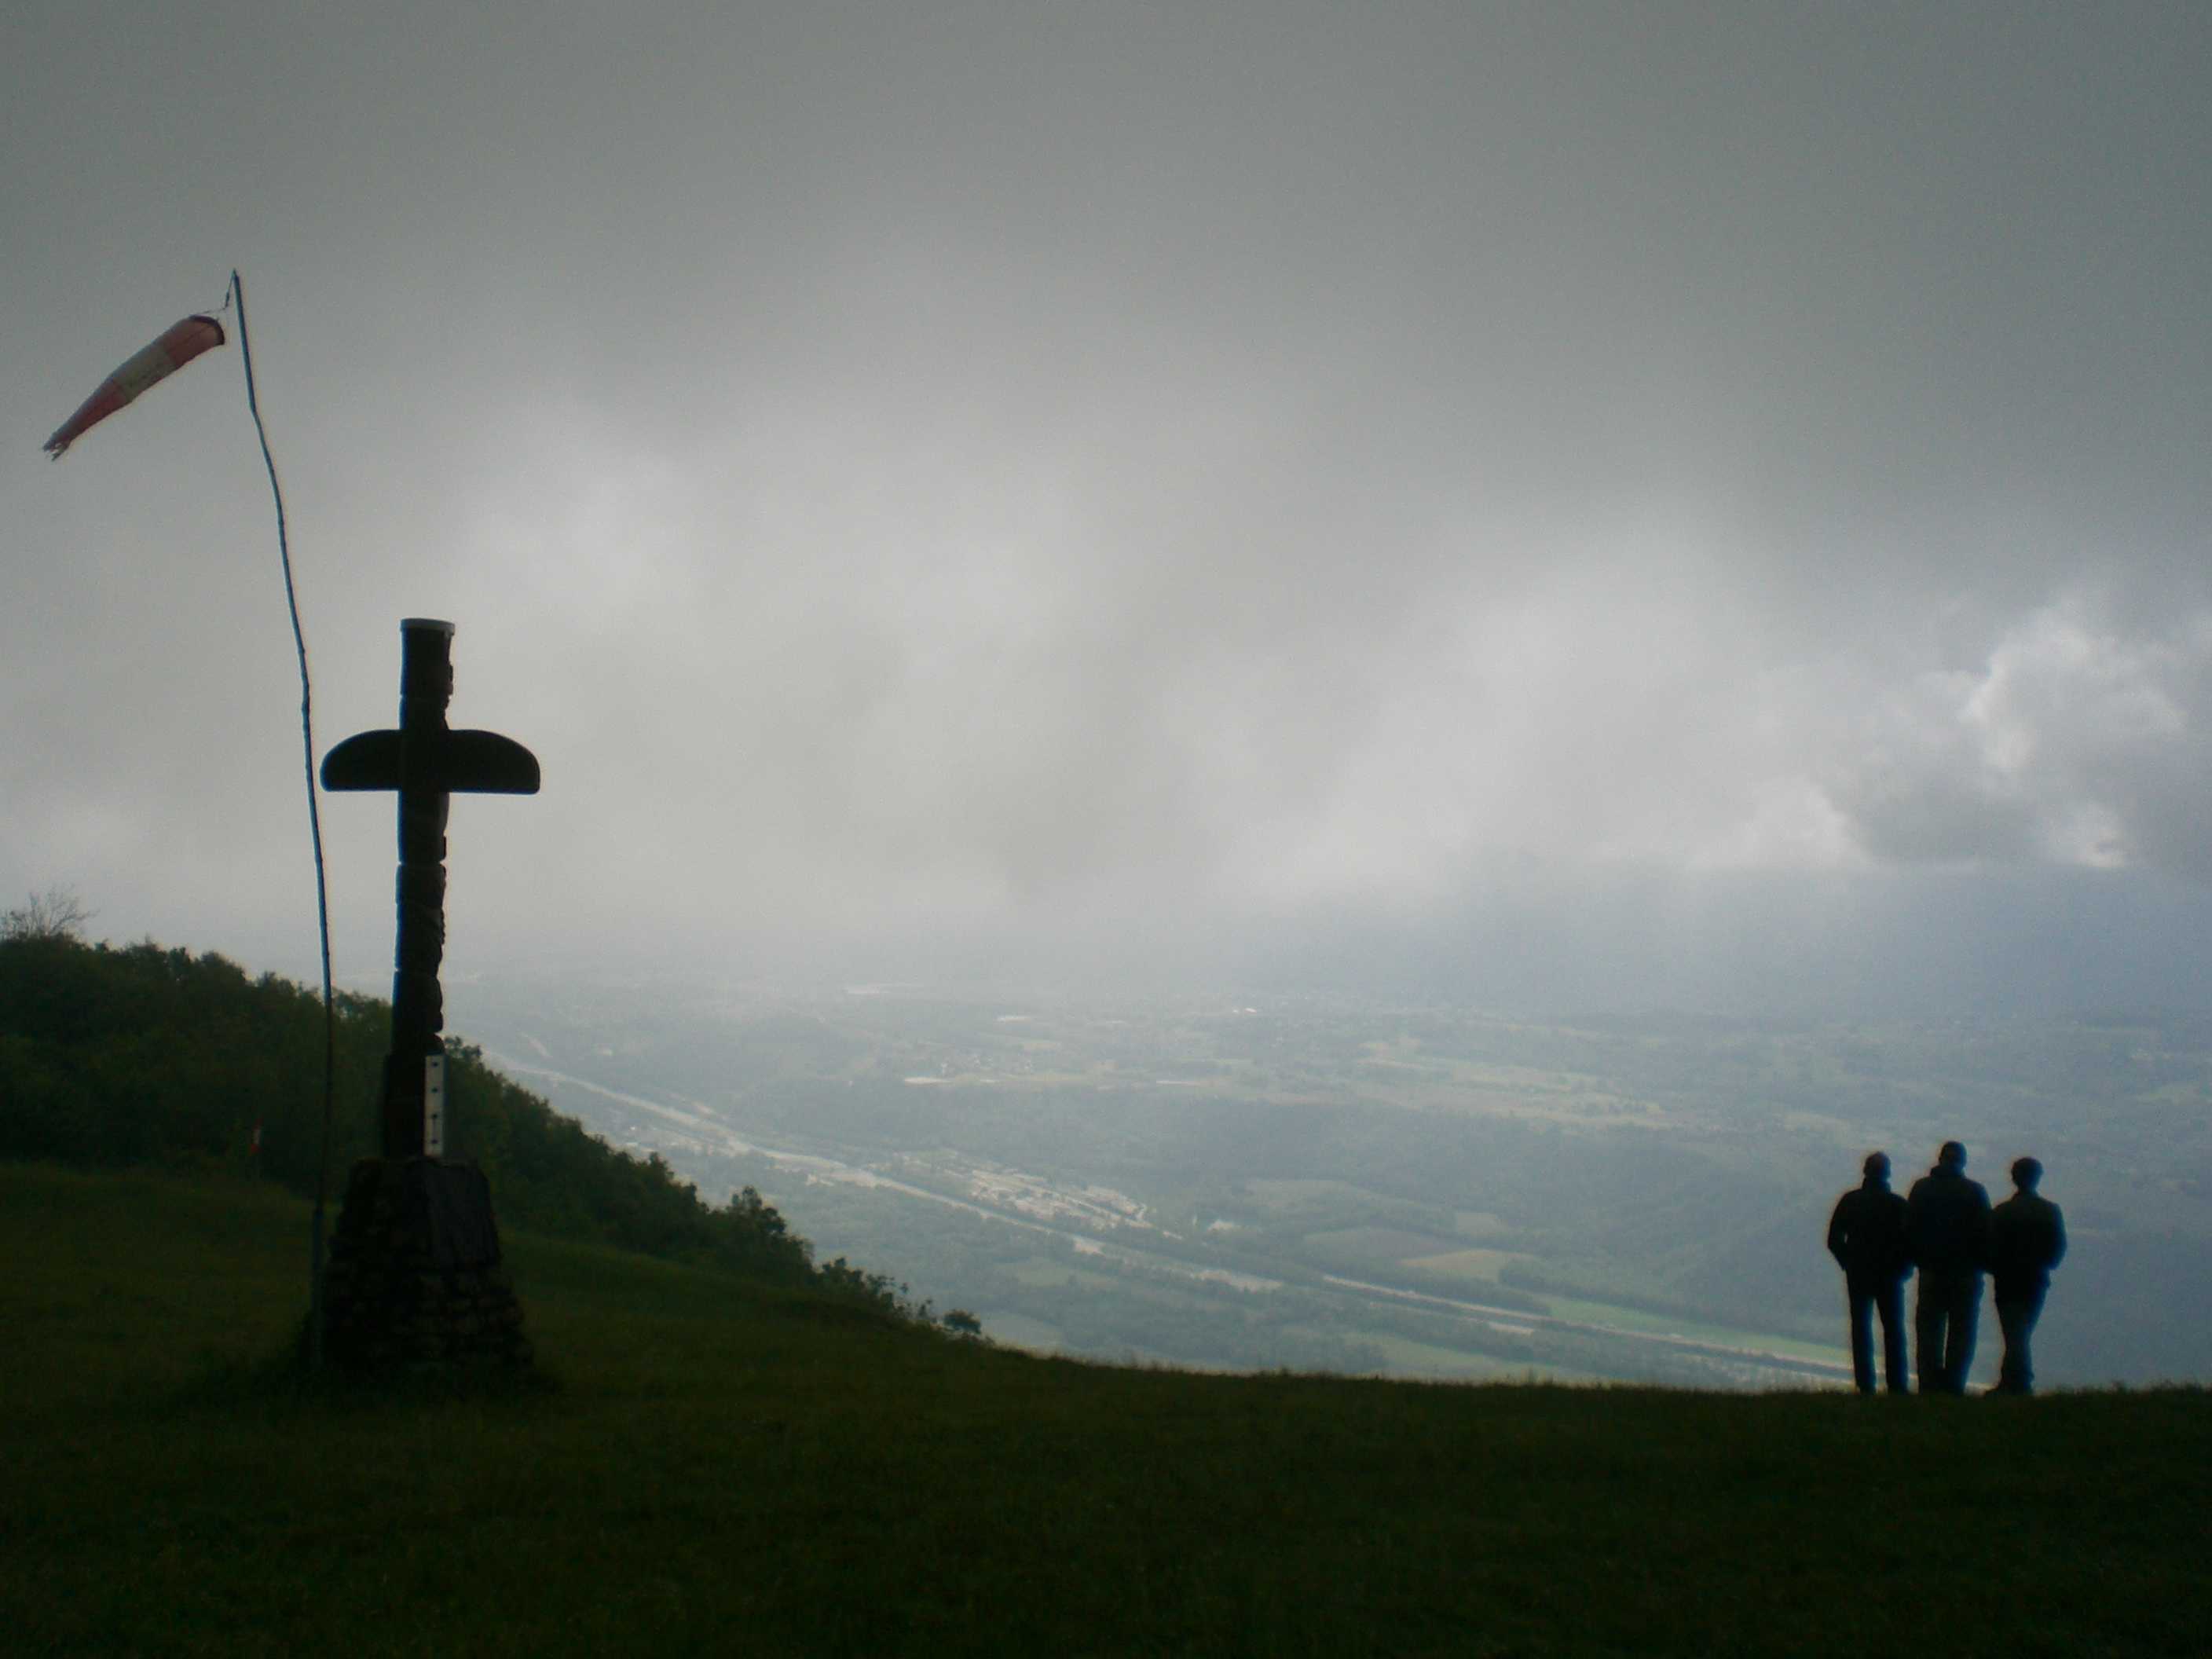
<point>1866,1235</point>
<point>1946,1232</point>
<point>2028,1239</point>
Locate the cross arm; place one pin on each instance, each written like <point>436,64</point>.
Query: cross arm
<point>463,762</point>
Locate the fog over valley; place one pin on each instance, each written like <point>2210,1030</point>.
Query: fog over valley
<point>1323,1181</point>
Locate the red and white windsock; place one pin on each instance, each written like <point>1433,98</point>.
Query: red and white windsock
<point>178,346</point>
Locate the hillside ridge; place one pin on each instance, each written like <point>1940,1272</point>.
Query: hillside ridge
<point>146,1055</point>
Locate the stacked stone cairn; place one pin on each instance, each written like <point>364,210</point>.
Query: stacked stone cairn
<point>414,1278</point>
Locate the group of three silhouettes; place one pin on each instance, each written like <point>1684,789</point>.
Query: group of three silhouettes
<point>1946,1230</point>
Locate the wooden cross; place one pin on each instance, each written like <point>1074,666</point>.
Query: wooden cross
<point>426,763</point>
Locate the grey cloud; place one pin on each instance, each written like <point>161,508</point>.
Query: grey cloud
<point>998,462</point>
<point>2075,741</point>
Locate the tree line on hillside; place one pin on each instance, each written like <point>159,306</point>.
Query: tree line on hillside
<point>148,1055</point>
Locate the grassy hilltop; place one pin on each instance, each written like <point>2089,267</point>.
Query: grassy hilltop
<point>724,1464</point>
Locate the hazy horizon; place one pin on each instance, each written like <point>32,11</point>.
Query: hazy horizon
<point>1932,947</point>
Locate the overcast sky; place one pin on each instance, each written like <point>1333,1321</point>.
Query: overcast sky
<point>1113,467</point>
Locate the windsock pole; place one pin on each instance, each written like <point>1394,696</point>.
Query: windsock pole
<point>315,835</point>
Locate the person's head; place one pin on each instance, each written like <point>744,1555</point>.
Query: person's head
<point>1876,1166</point>
<point>1953,1156</point>
<point>2026,1172</point>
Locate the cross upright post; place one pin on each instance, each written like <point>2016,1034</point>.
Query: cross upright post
<point>418,1000</point>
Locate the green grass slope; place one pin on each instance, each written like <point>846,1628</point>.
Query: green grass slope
<point>721,1466</point>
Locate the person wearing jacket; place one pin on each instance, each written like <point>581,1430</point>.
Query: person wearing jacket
<point>2028,1239</point>
<point>1946,1232</point>
<point>1866,1235</point>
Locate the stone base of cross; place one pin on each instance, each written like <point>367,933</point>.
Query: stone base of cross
<point>414,1276</point>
